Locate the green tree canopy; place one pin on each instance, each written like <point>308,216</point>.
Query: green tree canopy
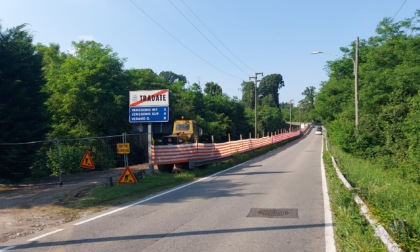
<point>213,89</point>
<point>170,77</point>
<point>22,114</point>
<point>309,100</point>
<point>389,86</point>
<point>307,104</point>
<point>89,92</point>
<point>248,92</point>
<point>144,79</point>
<point>269,86</point>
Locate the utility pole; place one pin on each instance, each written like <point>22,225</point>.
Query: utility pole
<point>300,117</point>
<point>255,99</point>
<point>356,81</point>
<point>356,84</point>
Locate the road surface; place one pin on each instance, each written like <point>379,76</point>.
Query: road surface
<point>272,203</point>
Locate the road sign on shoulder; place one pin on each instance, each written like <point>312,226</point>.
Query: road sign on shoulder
<point>149,98</point>
<point>87,161</point>
<point>127,177</point>
<point>149,114</point>
<point>149,106</point>
<point>123,148</point>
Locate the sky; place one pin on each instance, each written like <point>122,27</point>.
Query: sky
<point>221,41</point>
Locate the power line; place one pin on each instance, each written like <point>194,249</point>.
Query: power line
<point>214,35</point>
<point>180,42</point>
<point>207,38</point>
<point>399,9</point>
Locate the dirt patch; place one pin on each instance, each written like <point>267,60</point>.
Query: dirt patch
<point>30,208</point>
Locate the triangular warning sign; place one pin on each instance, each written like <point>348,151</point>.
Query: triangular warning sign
<point>87,161</point>
<point>127,177</point>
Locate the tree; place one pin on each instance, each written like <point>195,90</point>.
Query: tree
<point>309,100</point>
<point>270,119</point>
<point>248,92</point>
<point>170,77</point>
<point>223,116</point>
<point>144,79</point>
<point>88,93</point>
<point>213,89</point>
<point>269,86</point>
<point>307,105</point>
<point>23,116</point>
<point>388,97</point>
<point>191,103</point>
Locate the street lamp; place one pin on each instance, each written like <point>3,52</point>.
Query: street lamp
<point>356,80</point>
<point>290,122</point>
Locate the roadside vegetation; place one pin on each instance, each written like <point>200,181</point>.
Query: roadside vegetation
<point>84,93</point>
<point>352,231</point>
<point>393,200</point>
<point>380,156</point>
<point>389,99</point>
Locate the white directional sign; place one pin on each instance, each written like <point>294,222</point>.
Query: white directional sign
<point>149,106</point>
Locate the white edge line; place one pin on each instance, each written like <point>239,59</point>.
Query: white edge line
<point>153,197</point>
<point>329,229</point>
<point>47,234</point>
<point>7,248</point>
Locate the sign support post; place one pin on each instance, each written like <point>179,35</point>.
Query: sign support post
<point>149,106</point>
<point>125,155</point>
<point>149,144</point>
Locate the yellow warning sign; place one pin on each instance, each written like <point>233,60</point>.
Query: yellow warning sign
<point>87,161</point>
<point>127,177</point>
<point>123,148</point>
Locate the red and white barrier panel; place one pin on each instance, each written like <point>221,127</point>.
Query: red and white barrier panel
<point>173,154</point>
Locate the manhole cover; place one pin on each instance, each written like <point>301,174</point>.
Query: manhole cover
<point>274,212</point>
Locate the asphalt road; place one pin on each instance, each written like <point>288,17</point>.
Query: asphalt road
<point>271,203</point>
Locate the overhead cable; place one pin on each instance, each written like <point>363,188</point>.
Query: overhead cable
<point>214,35</point>
<point>399,9</point>
<point>180,42</point>
<point>207,39</point>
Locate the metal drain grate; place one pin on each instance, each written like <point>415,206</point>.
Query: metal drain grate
<point>273,212</point>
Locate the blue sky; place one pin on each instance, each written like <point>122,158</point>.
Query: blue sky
<point>269,36</point>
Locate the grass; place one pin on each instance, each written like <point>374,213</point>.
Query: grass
<point>394,201</point>
<point>352,231</point>
<point>119,194</point>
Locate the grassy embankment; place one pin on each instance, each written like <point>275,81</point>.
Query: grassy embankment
<point>394,202</point>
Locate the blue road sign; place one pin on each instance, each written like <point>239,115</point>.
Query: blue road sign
<point>149,114</point>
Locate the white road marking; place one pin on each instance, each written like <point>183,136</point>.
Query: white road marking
<point>44,235</point>
<point>153,197</point>
<point>7,248</point>
<point>329,230</point>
